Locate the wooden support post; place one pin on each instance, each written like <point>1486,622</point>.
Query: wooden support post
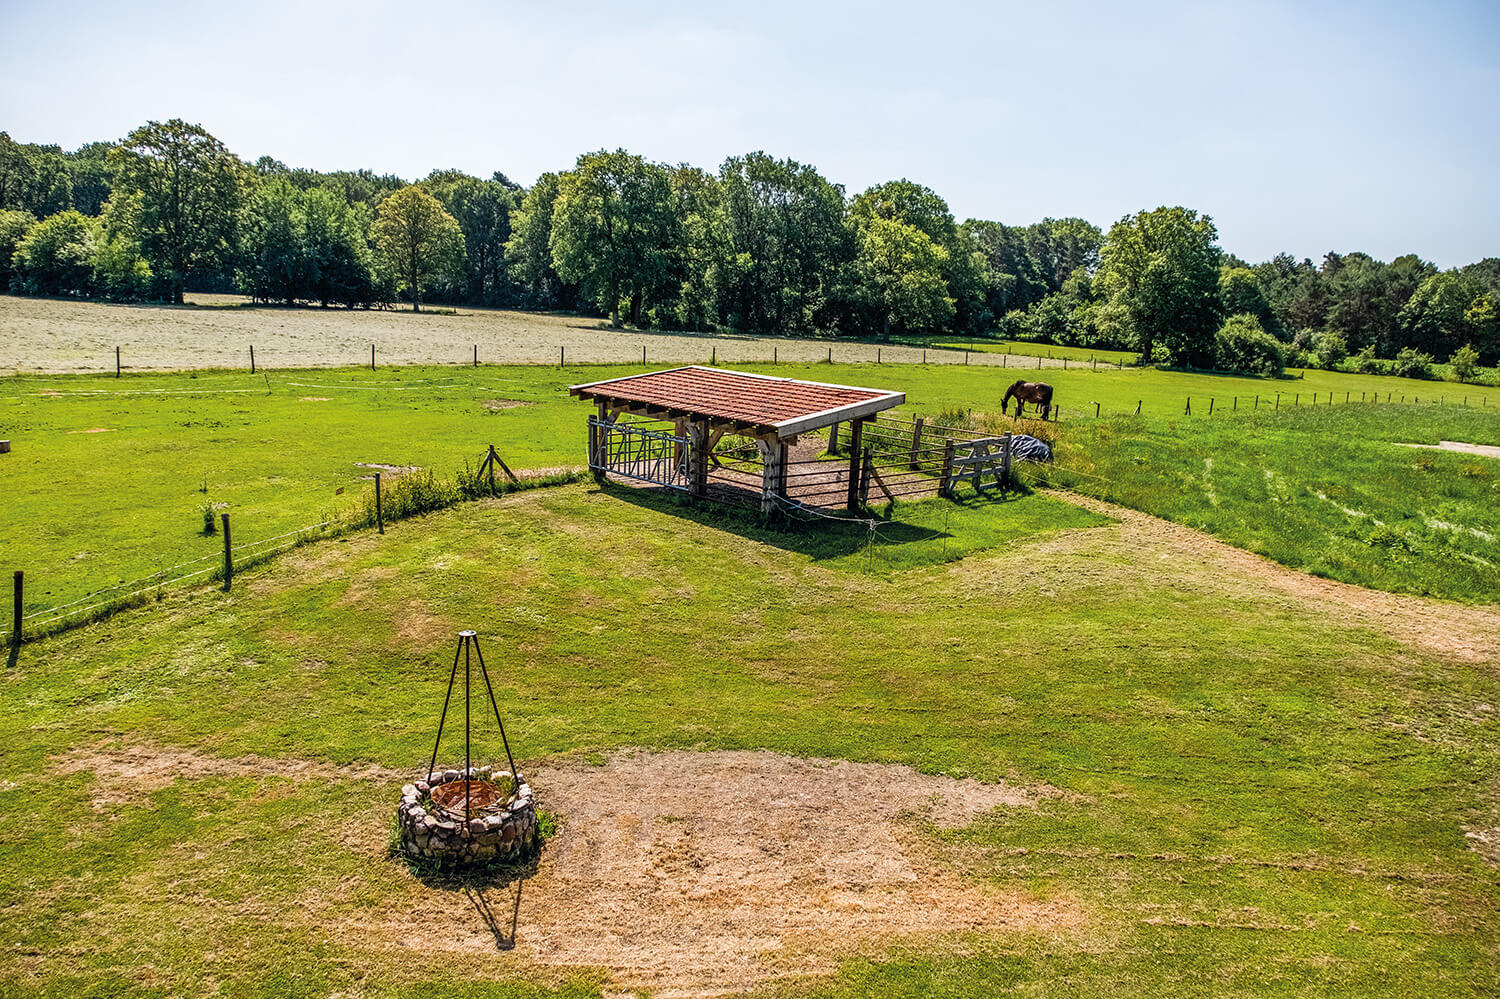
<point>1005,443</point>
<point>379,512</point>
<point>252,358</point>
<point>916,441</point>
<point>771,456</point>
<point>783,449</point>
<point>833,440</point>
<point>15,627</point>
<point>856,448</point>
<point>945,484</point>
<point>228,553</point>
<point>698,433</point>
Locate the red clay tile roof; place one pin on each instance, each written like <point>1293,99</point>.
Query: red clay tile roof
<point>785,404</point>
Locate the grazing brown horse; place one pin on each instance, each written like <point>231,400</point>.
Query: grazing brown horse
<point>1038,393</point>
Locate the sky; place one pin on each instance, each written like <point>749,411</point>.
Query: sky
<point>1299,127</point>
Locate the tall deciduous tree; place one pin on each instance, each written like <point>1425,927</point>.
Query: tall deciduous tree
<point>1162,267</point>
<point>899,276</point>
<point>614,231</point>
<point>191,189</point>
<point>418,239</point>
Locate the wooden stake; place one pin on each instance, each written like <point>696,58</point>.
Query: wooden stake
<point>117,362</point>
<point>228,553</point>
<point>372,357</point>
<point>562,353</point>
<point>252,358</point>
<point>15,628</point>
<point>476,355</point>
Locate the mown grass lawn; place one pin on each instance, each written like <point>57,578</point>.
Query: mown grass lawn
<point>1258,800</point>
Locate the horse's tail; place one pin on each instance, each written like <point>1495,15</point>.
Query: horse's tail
<point>1045,391</point>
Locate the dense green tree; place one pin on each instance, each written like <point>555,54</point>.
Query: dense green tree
<point>698,201</point>
<point>614,232</point>
<point>897,278</point>
<point>483,209</point>
<point>1240,293</point>
<point>419,240</point>
<point>1465,361</point>
<point>528,252</point>
<point>1433,317</point>
<point>784,244</point>
<point>13,225</point>
<point>1162,267</point>
<point>192,189</point>
<point>1242,345</point>
<point>120,270</point>
<point>56,255</point>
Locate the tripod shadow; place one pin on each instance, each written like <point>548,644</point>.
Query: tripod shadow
<point>483,888</point>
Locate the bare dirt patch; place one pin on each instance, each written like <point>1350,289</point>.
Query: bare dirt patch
<point>702,873</point>
<point>93,430</point>
<point>495,405</point>
<point>314,398</point>
<point>395,469</point>
<point>1455,632</point>
<point>1485,842</point>
<point>1483,450</point>
<point>121,773</point>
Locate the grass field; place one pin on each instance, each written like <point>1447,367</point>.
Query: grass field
<point>1047,350</point>
<point>109,477</point>
<point>1254,794</point>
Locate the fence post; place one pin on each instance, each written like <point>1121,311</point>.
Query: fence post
<point>372,357</point>
<point>252,358</point>
<point>945,484</point>
<point>117,362</point>
<point>714,356</point>
<point>774,352</point>
<point>916,441</point>
<point>1005,359</point>
<point>830,355</point>
<point>15,629</point>
<point>866,472</point>
<point>1138,406</point>
<point>1096,411</point>
<point>1005,464</point>
<point>1039,362</point>
<point>490,459</point>
<point>856,447</point>
<point>476,355</point>
<point>1278,400</point>
<point>562,353</point>
<point>833,440</point>
<point>1210,405</point>
<point>1189,410</point>
<point>379,513</point>
<point>643,353</point>
<point>228,553</point>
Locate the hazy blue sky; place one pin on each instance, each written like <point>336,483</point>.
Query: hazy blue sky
<point>1298,126</point>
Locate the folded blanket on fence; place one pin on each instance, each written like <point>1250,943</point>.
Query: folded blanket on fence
<point>1024,447</point>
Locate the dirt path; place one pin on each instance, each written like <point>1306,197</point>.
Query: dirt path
<point>1458,632</point>
<point>1483,450</point>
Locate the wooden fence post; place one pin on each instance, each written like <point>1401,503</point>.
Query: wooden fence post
<point>945,484</point>
<point>1005,464</point>
<point>856,447</point>
<point>1096,411</point>
<point>1210,405</point>
<point>379,513</point>
<point>562,353</point>
<point>117,362</point>
<point>1189,410</point>
<point>228,553</point>
<point>1138,406</point>
<point>372,357</point>
<point>916,441</point>
<point>476,355</point>
<point>252,358</point>
<point>643,353</point>
<point>866,472</point>
<point>15,628</point>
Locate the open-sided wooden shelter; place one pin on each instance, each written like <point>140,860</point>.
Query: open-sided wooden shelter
<point>703,404</point>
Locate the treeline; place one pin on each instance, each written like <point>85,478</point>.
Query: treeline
<point>765,245</point>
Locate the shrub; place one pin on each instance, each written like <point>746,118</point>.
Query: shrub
<point>1412,363</point>
<point>1366,363</point>
<point>1464,361</point>
<point>55,257</point>
<point>1243,345</point>
<point>1330,348</point>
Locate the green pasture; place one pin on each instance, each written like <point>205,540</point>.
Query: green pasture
<point>1332,491</point>
<point>108,477</point>
<point>1256,800</point>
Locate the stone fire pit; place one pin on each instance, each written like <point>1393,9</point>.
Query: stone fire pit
<point>498,824</point>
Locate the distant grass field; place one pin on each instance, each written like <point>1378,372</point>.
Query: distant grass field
<point>1255,797</point>
<point>108,477</point>
<point>1029,349</point>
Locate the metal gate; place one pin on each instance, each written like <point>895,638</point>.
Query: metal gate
<point>634,452</point>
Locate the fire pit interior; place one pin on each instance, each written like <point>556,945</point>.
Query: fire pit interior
<point>473,815</point>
